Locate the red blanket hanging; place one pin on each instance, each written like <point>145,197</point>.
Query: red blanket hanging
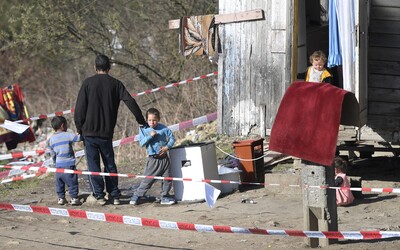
<point>308,118</point>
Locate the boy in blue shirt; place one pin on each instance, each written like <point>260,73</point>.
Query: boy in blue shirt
<point>158,139</point>
<point>60,144</point>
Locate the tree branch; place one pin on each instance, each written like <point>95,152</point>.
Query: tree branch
<point>142,76</point>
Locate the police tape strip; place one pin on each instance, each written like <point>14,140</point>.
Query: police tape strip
<point>176,127</point>
<point>175,84</point>
<point>4,174</point>
<point>17,172</point>
<point>22,177</point>
<point>146,222</point>
<point>43,170</point>
<point>17,155</point>
<point>59,113</point>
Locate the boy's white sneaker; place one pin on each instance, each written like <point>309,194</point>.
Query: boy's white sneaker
<point>62,201</point>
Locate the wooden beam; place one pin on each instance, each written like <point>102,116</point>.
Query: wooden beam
<point>295,36</point>
<point>250,15</point>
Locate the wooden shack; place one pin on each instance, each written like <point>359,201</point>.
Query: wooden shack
<point>260,59</point>
<point>384,72</point>
<point>254,65</point>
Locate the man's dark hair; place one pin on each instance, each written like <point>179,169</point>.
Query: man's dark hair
<point>102,63</point>
<point>153,111</point>
<point>57,121</point>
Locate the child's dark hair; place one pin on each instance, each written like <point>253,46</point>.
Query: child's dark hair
<point>153,111</point>
<point>102,63</point>
<point>340,164</point>
<point>57,121</point>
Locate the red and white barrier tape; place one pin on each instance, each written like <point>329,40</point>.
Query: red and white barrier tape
<point>22,177</point>
<point>176,127</point>
<point>43,170</point>
<point>175,84</point>
<point>8,173</point>
<point>4,174</point>
<point>134,95</point>
<point>145,222</point>
<point>17,155</point>
<point>59,113</point>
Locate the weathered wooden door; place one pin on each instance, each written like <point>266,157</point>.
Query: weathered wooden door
<point>254,66</point>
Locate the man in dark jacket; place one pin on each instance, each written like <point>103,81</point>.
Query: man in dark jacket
<point>95,117</point>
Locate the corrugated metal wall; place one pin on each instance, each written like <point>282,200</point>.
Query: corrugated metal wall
<point>254,66</point>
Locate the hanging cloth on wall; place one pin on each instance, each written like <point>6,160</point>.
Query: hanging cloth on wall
<point>346,25</point>
<point>335,53</point>
<point>198,35</point>
<point>343,52</point>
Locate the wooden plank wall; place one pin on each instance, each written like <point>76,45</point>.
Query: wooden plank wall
<point>254,66</point>
<point>384,67</point>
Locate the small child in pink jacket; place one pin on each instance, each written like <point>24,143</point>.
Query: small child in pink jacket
<point>343,196</point>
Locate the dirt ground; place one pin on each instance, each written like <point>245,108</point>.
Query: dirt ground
<point>22,230</point>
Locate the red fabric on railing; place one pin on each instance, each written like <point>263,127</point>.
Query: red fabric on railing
<point>307,122</point>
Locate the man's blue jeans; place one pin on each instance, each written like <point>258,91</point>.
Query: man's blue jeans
<point>96,147</point>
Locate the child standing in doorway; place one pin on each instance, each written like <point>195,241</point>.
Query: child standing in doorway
<point>317,71</point>
<point>343,196</point>
<point>158,139</point>
<point>60,144</point>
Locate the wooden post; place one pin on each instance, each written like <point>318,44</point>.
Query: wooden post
<point>319,204</point>
<point>295,43</point>
<point>262,121</point>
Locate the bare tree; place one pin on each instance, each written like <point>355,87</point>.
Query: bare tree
<point>50,46</point>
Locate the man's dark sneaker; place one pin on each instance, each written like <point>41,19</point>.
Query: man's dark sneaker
<point>167,200</point>
<point>75,202</point>
<point>134,200</point>
<point>101,201</point>
<point>116,201</point>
